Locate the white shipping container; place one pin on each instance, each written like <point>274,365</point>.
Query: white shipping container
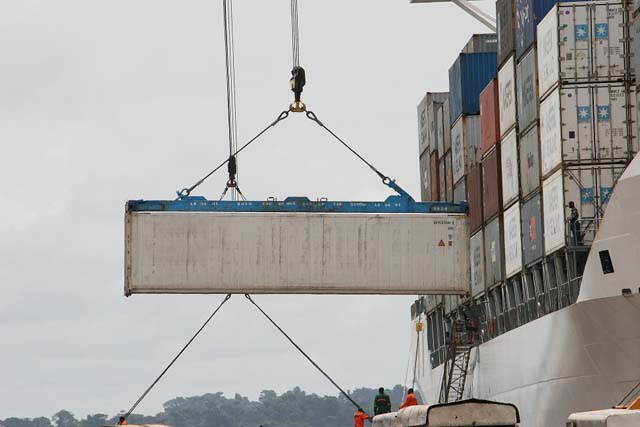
<point>587,123</point>
<point>466,145</point>
<point>507,95</point>
<point>512,240</point>
<point>292,253</point>
<point>589,189</point>
<point>427,120</point>
<point>510,175</point>
<point>440,129</point>
<point>477,263</point>
<point>582,41</point>
<point>458,157</point>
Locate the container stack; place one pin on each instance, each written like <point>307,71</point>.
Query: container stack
<point>428,133</point>
<point>468,75</point>
<point>587,105</point>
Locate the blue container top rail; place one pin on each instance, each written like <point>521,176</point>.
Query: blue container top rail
<point>393,204</point>
<point>528,14</point>
<point>468,76</point>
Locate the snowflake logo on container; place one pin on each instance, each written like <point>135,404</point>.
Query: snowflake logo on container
<point>602,31</point>
<point>584,114</point>
<point>586,196</point>
<point>582,32</point>
<point>604,113</point>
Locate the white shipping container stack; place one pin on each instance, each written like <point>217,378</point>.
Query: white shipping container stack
<point>428,109</point>
<point>587,109</point>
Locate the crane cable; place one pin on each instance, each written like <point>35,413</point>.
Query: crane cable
<point>295,34</point>
<point>344,393</point>
<point>229,48</point>
<point>137,402</point>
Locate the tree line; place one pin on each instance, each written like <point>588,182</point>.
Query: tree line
<point>294,408</point>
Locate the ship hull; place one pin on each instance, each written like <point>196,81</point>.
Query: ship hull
<point>583,357</point>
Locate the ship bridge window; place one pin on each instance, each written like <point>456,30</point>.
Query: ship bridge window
<point>605,261</point>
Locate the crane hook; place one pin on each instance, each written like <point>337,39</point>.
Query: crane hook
<point>297,82</point>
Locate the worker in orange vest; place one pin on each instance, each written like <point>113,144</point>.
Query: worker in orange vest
<point>359,418</point>
<point>122,421</point>
<point>410,400</point>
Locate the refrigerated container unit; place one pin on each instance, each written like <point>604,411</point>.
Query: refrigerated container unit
<point>465,145</point>
<point>582,42</point>
<point>509,168</point>
<point>527,95</point>
<point>460,190</point>
<point>532,233</point>
<point>474,193</point>
<point>529,162</point>
<point>491,184</point>
<point>587,124</point>
<point>489,117</point>
<point>528,14</point>
<point>468,75</point>
<point>512,241</point>
<point>589,188</point>
<point>425,177</point>
<point>494,253</point>
<point>507,96</point>
<point>427,120</point>
<point>477,262</point>
<point>481,43</point>
<point>435,176</point>
<point>506,29</point>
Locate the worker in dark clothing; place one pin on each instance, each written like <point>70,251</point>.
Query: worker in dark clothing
<point>359,418</point>
<point>574,224</point>
<point>122,421</point>
<point>382,403</point>
<point>410,400</point>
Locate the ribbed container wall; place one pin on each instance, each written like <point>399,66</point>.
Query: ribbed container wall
<point>477,262</point>
<point>529,162</point>
<point>465,140</point>
<point>509,169</point>
<point>468,75</point>
<point>460,191</point>
<point>491,184</point>
<point>427,120</point>
<point>425,177</point>
<point>589,189</point>
<point>494,252</point>
<point>442,175</point>
<point>582,42</point>
<point>527,94</point>
<point>512,241</point>
<point>489,116</point>
<point>635,43</point>
<point>507,96</point>
<point>532,236</point>
<point>481,43</point>
<point>587,123</point>
<point>506,28</point>
<point>474,191</point>
<point>528,14</point>
<point>449,178</point>
<point>435,176</point>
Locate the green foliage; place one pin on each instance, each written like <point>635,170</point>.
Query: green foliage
<point>294,408</point>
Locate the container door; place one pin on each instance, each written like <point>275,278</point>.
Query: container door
<point>611,105</point>
<point>477,263</point>
<point>507,96</point>
<point>510,182</point>
<point>553,208</point>
<point>550,136</point>
<point>608,38</point>
<point>512,241</point>
<point>527,81</point>
<point>575,48</point>
<point>577,124</point>
<point>425,178</point>
<point>548,61</point>
<point>529,162</point>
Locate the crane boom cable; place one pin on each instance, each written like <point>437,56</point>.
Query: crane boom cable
<point>295,33</point>
<point>229,48</point>
<point>344,393</point>
<point>146,392</point>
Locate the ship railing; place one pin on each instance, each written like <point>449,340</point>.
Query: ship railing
<point>581,232</point>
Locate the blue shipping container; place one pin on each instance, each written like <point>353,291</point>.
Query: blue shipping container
<point>468,76</point>
<point>528,14</point>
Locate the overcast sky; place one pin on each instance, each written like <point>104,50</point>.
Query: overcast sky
<point>106,101</point>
